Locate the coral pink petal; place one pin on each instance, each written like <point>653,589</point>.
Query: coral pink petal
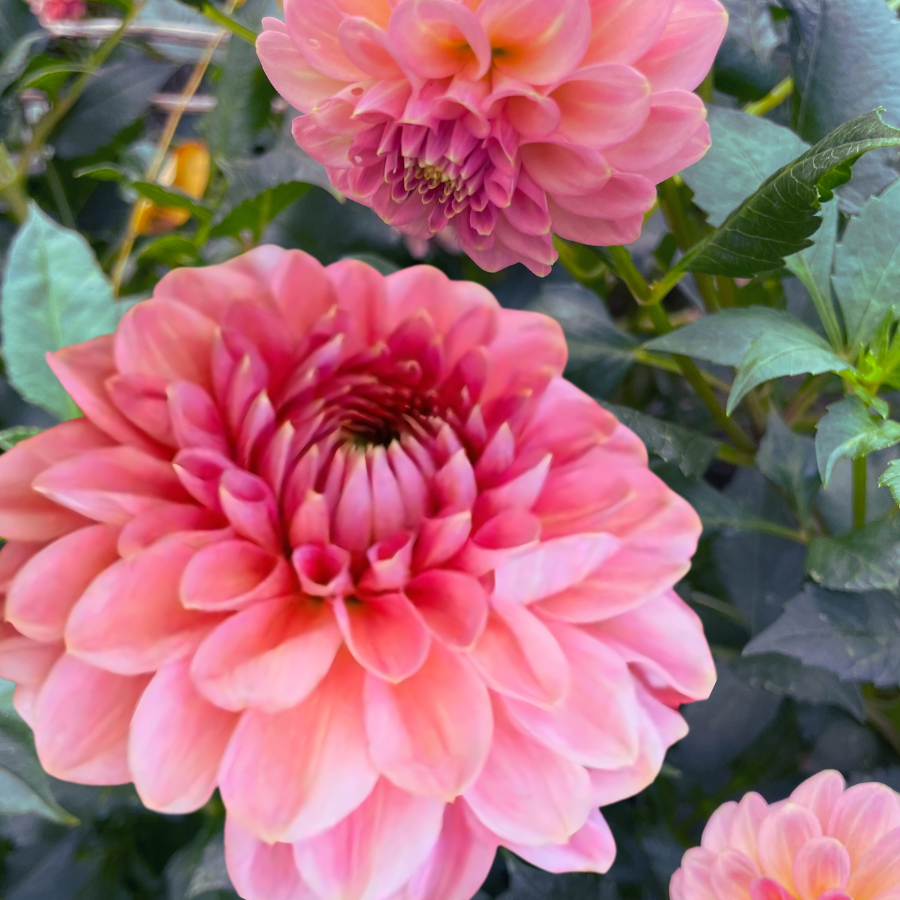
<point>376,849</point>
<point>862,816</point>
<point>821,865</point>
<point>172,723</point>
<point>459,862</point>
<point>596,231</point>
<point>767,889</point>
<point>269,657</point>
<point>565,170</point>
<point>313,26</point>
<point>130,620</point>
<point>876,875</point>
<point>26,515</point>
<point>111,485</point>
<point>604,736</point>
<point>292,76</point>
<point>536,41</point>
<point>686,50</point>
<point>160,521</point>
<point>431,733</point>
<point>23,660</point>
<point>622,195</point>
<point>262,871</point>
<point>517,655</point>
<point>453,605</point>
<point>821,794</point>
<point>81,719</point>
<point>527,794</point>
<point>782,833</point>
<point>292,774</point>
<point>624,30</point>
<point>49,584</point>
<point>385,633</point>
<point>591,849</point>
<point>143,401</point>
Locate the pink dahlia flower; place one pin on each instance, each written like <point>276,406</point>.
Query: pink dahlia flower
<point>502,121</point>
<point>49,11</point>
<point>826,842</point>
<point>351,550</point>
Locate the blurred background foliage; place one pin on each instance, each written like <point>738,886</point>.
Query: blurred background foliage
<point>178,152</point>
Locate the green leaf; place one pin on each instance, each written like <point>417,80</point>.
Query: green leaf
<point>24,788</point>
<point>170,250</point>
<point>745,151</point>
<point>788,677</point>
<point>789,460</point>
<point>169,196</point>
<point>199,871</point>
<point>54,294</point>
<point>781,216</point>
<point>855,636</point>
<point>256,213</point>
<point>690,450</point>
<point>105,171</point>
<point>723,338</point>
<point>864,560</point>
<point>867,267</point>
<point>49,75</point>
<point>114,99</point>
<point>794,349</point>
<point>16,60</point>
<point>9,437</point>
<point>891,479</point>
<point>849,430</point>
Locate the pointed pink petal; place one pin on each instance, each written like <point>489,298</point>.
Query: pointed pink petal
<point>820,794</point>
<point>565,170</point>
<point>732,874</point>
<point>385,633</point>
<point>623,195</point>
<point>111,485</point>
<point>821,865</point>
<point>767,889</point>
<point>518,656</point>
<point>624,30</point>
<point>692,880</point>
<point>862,816</point>
<point>142,400</point>
<point>81,719</point>
<point>24,661</point>
<point>269,657</point>
<point>48,586</point>
<point>367,47</point>
<point>431,733</point>
<point>591,849</point>
<point>783,832</point>
<point>876,875</point>
<point>751,812</point>
<point>526,793</point>
<point>251,508</point>
<point>196,421</point>
<point>176,742</point>
<point>352,521</point>
<point>717,833</point>
<point>166,519</point>
<point>295,773</point>
<point>598,232</point>
<point>130,620</point>
<point>375,850</point>
<point>441,539</point>
<point>26,515</point>
<point>313,26</point>
<point>453,605</point>
<point>13,556</point>
<point>261,871</point>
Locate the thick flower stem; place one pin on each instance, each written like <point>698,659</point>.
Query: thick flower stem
<point>859,492</point>
<point>781,92</point>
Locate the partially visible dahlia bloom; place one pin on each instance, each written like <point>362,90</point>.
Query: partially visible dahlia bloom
<point>826,842</point>
<point>502,121</point>
<point>48,11</point>
<point>351,550</point>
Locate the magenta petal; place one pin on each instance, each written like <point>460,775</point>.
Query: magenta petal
<point>453,605</point>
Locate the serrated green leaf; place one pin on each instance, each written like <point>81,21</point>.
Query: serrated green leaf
<point>9,437</point>
<point>54,294</point>
<point>849,430</point>
<point>789,460</point>
<point>745,151</point>
<point>690,450</point>
<point>794,349</point>
<point>723,338</point>
<point>781,216</point>
<point>891,479</point>
<point>867,267</point>
<point>855,636</point>
<point>864,560</point>
<point>169,196</point>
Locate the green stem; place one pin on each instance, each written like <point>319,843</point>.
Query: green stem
<point>859,492</point>
<point>781,92</point>
<point>214,14</point>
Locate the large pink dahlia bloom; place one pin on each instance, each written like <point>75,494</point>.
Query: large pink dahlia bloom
<point>350,549</point>
<point>826,842</point>
<point>499,120</point>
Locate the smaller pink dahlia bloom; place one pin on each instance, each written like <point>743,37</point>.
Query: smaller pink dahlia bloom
<point>48,11</point>
<point>349,549</point>
<point>500,121</point>
<point>825,842</point>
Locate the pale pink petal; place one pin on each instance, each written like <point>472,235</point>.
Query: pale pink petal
<point>269,657</point>
<point>261,871</point>
<point>591,849</point>
<point>431,733</point>
<point>692,880</point>
<point>750,814</point>
<point>313,26</point>
<point>176,742</point>
<point>375,850</point>
<point>862,816</point>
<point>81,719</point>
<point>527,794</point>
<point>717,833</point>
<point>820,794</point>
<point>624,30</point>
<point>47,587</point>
<point>732,874</point>
<point>876,874</point>
<point>821,865</point>
<point>292,774</point>
<point>782,833</point>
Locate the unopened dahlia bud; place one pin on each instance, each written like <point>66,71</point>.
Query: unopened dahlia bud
<point>350,549</point>
<point>825,842</point>
<point>501,121</point>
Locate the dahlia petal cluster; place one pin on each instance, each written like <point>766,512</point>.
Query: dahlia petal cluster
<point>826,842</point>
<point>499,121</point>
<point>349,549</point>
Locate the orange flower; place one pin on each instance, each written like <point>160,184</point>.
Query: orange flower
<point>187,168</point>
